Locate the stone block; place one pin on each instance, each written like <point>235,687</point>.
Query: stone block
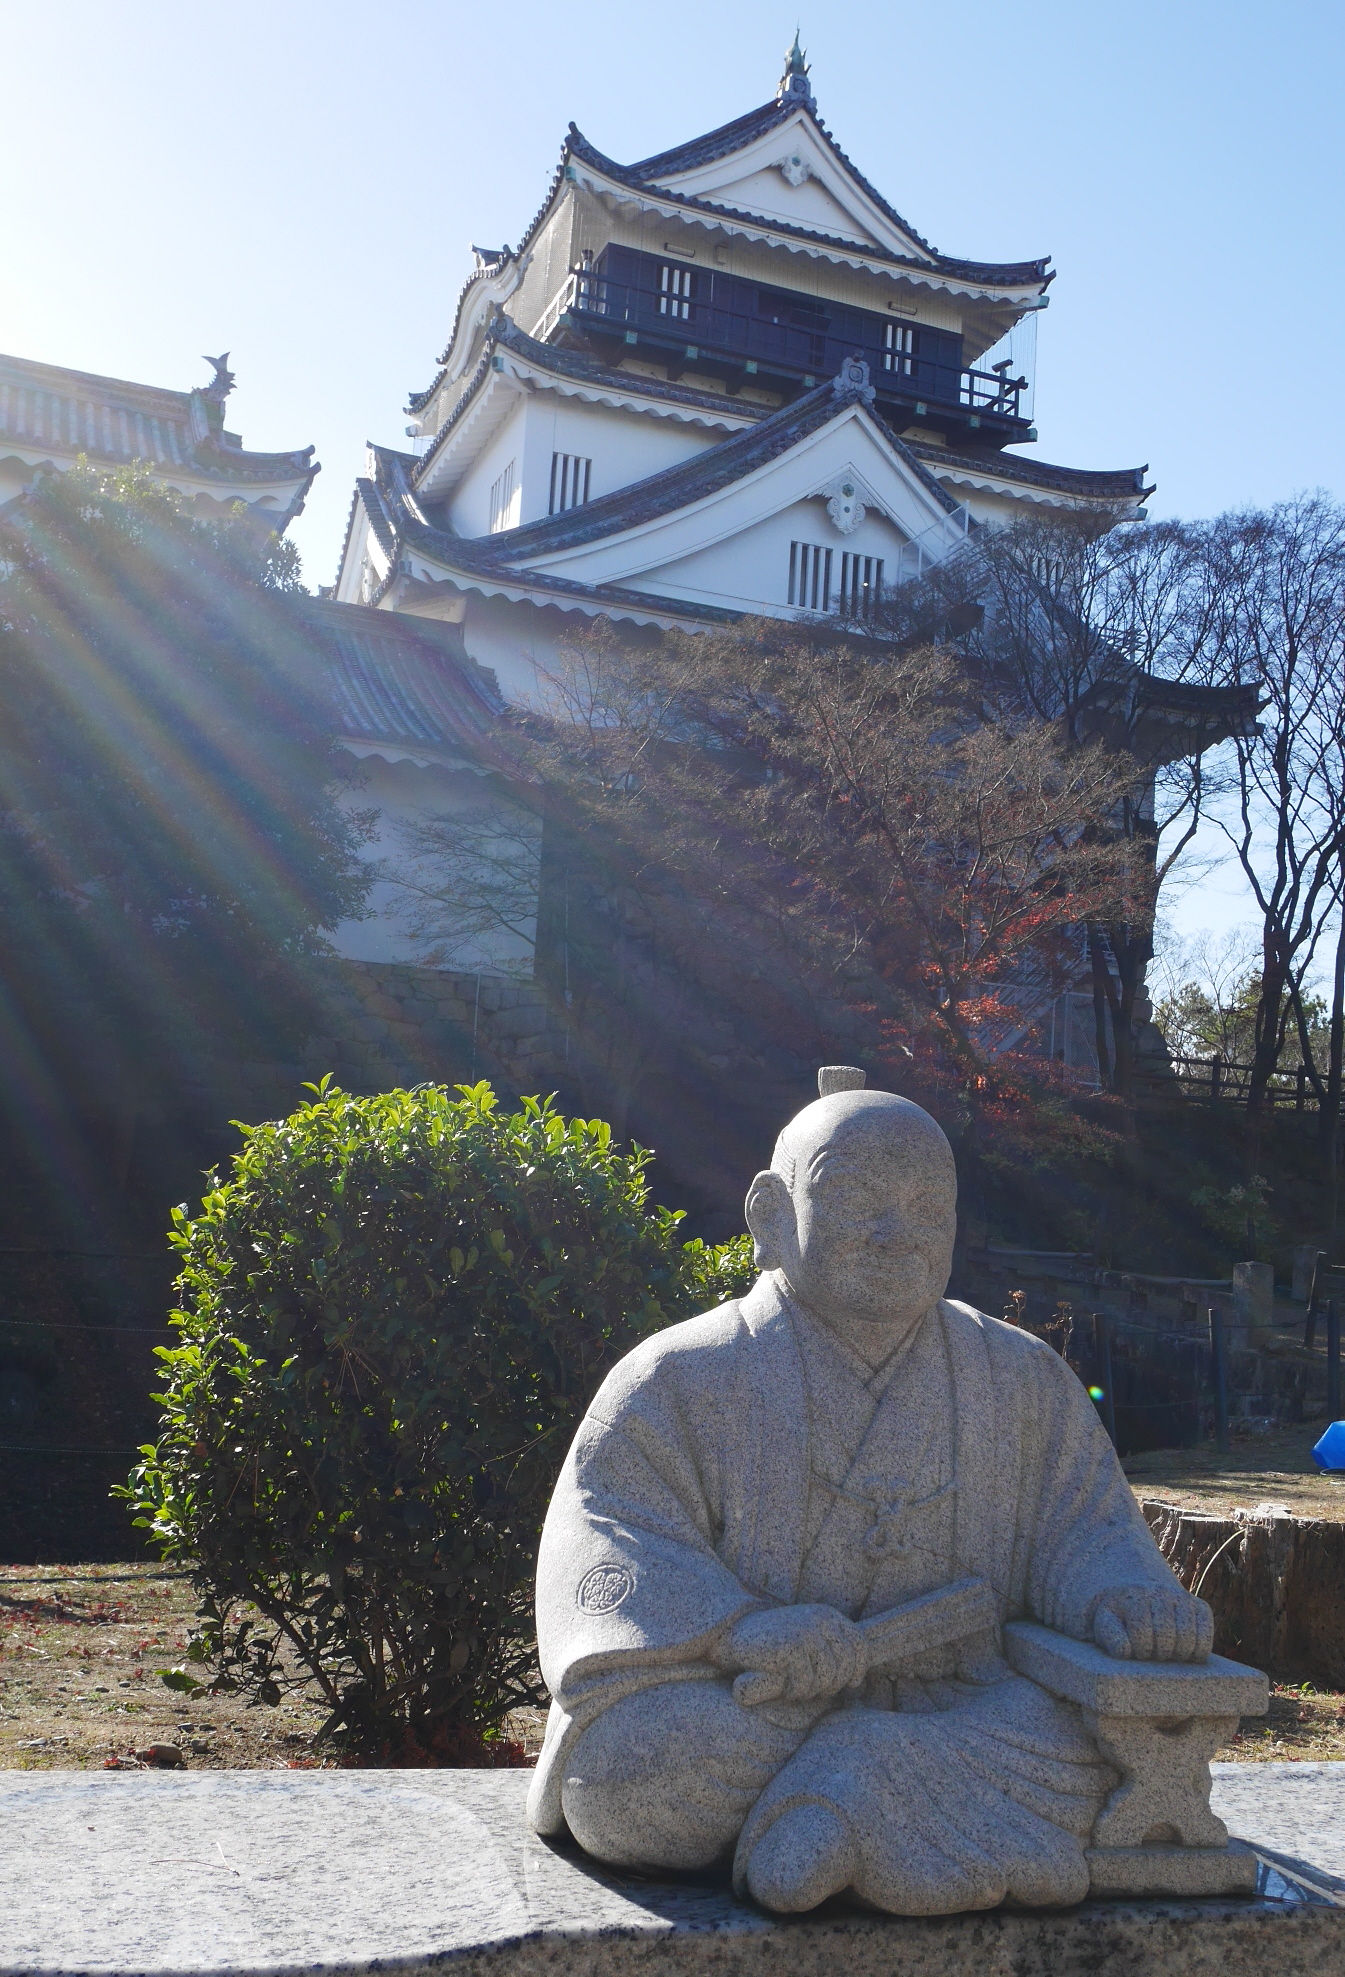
<point>1157,1724</point>
<point>389,1007</point>
<point>255,1874</point>
<point>1082,1673</point>
<point>1305,1261</point>
<point>1190,1871</point>
<point>522,1020</point>
<point>1253,1304</point>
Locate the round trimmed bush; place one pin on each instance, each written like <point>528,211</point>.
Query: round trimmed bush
<point>392,1314</point>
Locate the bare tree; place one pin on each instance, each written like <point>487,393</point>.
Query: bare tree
<point>1279,577</point>
<point>1103,628</point>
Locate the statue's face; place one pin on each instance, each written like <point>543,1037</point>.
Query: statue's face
<point>875,1231</point>
<point>864,1234</point>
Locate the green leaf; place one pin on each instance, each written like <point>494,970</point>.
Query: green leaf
<point>181,1681</point>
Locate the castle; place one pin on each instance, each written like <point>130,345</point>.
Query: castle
<point>728,379</point>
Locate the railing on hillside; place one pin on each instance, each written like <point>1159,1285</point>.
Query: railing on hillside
<point>1215,1078</point>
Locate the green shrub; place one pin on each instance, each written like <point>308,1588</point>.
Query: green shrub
<point>393,1313</point>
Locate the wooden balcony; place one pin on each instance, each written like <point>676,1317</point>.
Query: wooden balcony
<point>699,319</point>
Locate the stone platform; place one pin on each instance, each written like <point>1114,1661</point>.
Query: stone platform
<point>162,1875</point>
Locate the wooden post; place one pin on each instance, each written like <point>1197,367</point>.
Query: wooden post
<point>1314,1290</point>
<point>1216,1066</point>
<point>1220,1372</point>
<point>1332,1362</point>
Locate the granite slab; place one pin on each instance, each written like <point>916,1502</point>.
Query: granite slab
<point>269,1874</point>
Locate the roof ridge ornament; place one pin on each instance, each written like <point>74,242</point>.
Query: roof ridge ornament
<point>852,381</point>
<point>221,384</point>
<point>794,84</point>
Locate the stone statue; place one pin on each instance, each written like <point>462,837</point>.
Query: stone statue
<point>775,1573</point>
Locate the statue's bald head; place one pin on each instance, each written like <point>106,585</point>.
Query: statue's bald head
<point>858,1210</point>
<point>863,1123</point>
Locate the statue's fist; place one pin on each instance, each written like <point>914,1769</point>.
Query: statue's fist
<point>793,1654</point>
<point>1153,1623</point>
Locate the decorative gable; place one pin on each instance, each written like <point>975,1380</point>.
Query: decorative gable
<point>791,174</point>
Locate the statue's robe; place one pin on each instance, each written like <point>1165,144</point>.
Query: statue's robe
<point>747,1458</point>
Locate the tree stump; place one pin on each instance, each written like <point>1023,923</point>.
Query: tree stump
<point>1275,1582</point>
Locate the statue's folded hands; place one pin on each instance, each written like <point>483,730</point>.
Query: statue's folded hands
<point>792,1653</point>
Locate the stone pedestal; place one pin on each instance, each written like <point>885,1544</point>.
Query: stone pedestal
<point>1158,1724</point>
<point>343,1873</point>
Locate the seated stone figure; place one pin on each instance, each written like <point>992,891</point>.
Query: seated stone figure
<point>753,1490</point>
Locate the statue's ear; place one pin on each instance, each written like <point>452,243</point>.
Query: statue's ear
<point>770,1217</point>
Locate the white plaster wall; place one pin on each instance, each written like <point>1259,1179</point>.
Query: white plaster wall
<point>404,793</point>
<point>523,644</point>
<point>986,505</point>
<point>551,259</point>
<point>769,193</point>
<point>623,446</point>
<point>752,569</point>
<point>469,508</point>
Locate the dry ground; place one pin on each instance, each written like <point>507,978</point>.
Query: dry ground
<point>81,1647</point>
<point>1275,1468</point>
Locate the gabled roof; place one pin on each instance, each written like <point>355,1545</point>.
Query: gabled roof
<point>500,277</point>
<point>396,679</point>
<point>705,473</point>
<point>509,561</point>
<point>534,557</point>
<point>986,274</point>
<point>731,137</point>
<point>58,414</point>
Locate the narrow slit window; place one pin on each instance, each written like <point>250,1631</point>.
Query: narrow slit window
<point>677,291</point>
<point>861,586</point>
<point>898,349</point>
<point>502,493</point>
<point>810,576</point>
<point>570,476</point>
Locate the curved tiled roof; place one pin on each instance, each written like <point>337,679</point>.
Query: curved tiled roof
<point>502,559</point>
<point>715,144</point>
<point>677,487</point>
<point>394,678</point>
<point>44,406</point>
<point>1106,484</point>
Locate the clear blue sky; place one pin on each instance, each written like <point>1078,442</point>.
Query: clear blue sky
<point>302,184</point>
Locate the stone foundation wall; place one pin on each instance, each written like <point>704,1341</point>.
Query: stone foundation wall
<point>391,1023</point>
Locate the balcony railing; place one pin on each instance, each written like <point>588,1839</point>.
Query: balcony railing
<point>703,318</point>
